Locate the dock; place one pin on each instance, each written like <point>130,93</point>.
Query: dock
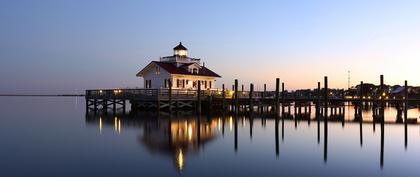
<point>277,102</point>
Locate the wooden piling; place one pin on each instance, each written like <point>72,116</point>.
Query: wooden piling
<point>223,97</point>
<point>318,102</point>
<point>405,113</point>
<point>114,106</point>
<point>405,102</point>
<point>382,109</point>
<point>360,101</point>
<point>326,97</point>
<point>282,97</point>
<point>199,98</point>
<point>251,92</point>
<point>236,97</point>
<point>277,95</point>
<point>170,96</point>
<point>326,118</point>
<point>263,97</point>
<point>123,106</point>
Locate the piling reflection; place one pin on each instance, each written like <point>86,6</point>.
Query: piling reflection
<point>182,136</point>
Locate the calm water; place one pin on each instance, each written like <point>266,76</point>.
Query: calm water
<point>51,136</point>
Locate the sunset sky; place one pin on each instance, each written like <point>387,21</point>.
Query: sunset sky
<point>59,46</point>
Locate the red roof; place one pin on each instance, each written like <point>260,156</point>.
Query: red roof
<point>172,69</point>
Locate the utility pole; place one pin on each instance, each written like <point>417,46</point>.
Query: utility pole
<point>348,80</point>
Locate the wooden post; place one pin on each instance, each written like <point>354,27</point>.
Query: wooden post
<point>405,101</point>
<point>251,92</point>
<point>282,97</point>
<point>158,99</point>
<point>209,101</point>
<point>318,112</point>
<point>232,100</point>
<point>318,102</point>
<point>326,118</point>
<point>326,97</point>
<point>123,106</point>
<point>405,113</point>
<point>170,95</point>
<point>277,95</point>
<point>263,96</point>
<point>382,99</point>
<point>199,97</point>
<point>236,97</point>
<point>114,106</point>
<point>360,101</point>
<point>105,106</point>
<point>223,98</point>
<point>242,92</point>
<point>95,104</point>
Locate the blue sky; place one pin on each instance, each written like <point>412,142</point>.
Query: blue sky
<point>58,46</point>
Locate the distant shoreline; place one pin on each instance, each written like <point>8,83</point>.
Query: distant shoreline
<point>45,95</point>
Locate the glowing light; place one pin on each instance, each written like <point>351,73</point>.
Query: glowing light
<point>115,124</point>
<point>364,97</point>
<point>190,132</point>
<point>100,125</point>
<point>100,91</point>
<point>119,126</point>
<point>219,123</point>
<point>383,94</point>
<point>180,160</point>
<point>230,123</point>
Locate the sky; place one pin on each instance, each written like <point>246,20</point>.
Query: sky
<point>60,46</point>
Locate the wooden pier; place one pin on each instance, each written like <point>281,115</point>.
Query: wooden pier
<point>278,102</point>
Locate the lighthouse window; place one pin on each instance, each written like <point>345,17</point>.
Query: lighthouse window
<point>209,84</point>
<point>195,71</point>
<point>148,84</point>
<point>167,83</point>
<point>157,69</point>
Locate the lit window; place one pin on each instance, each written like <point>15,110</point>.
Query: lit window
<point>157,69</point>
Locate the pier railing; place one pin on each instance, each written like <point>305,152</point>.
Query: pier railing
<point>188,94</point>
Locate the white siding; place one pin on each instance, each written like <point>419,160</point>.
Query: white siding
<point>158,80</point>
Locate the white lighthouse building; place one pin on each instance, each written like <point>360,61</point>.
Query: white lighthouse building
<point>184,72</point>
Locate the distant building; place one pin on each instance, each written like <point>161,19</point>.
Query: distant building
<point>184,72</point>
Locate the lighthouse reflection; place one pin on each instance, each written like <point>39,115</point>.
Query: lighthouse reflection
<point>179,137</point>
<point>174,137</point>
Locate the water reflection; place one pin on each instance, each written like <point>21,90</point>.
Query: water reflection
<point>182,136</point>
<point>176,137</point>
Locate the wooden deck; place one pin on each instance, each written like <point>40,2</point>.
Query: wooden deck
<point>275,102</point>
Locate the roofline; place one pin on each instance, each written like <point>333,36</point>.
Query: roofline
<point>139,74</point>
<point>196,75</point>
